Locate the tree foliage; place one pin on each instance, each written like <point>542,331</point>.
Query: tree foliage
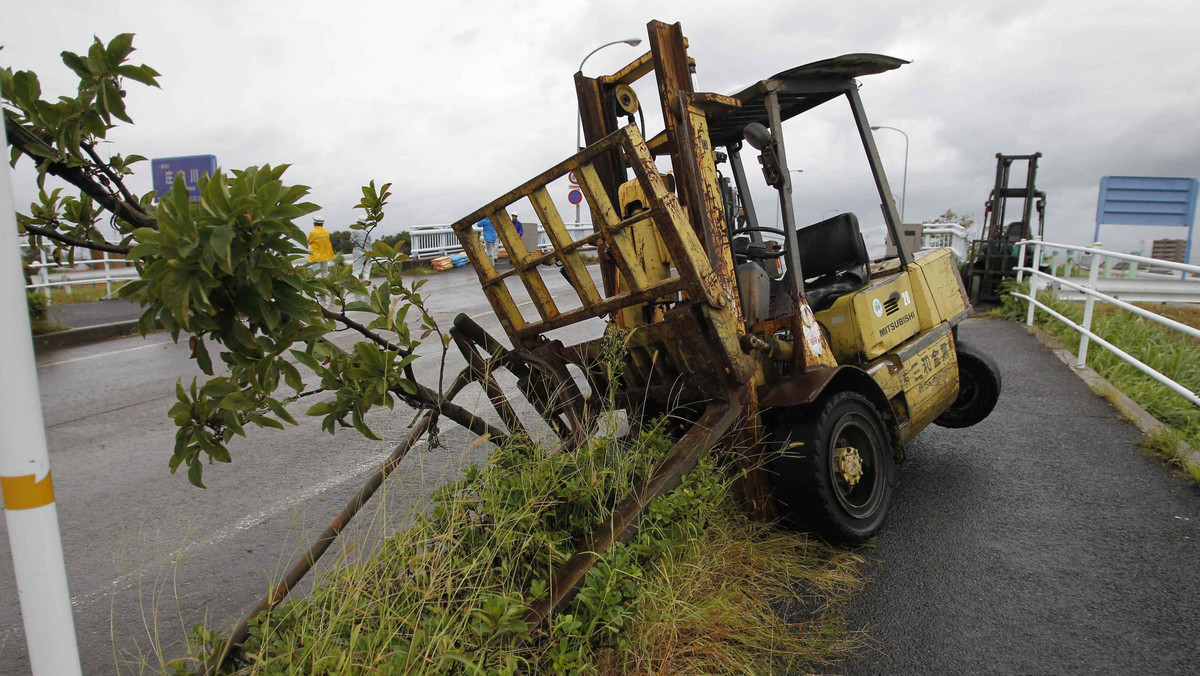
<point>228,271</point>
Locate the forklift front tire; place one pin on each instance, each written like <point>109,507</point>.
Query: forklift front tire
<point>978,388</point>
<point>833,471</point>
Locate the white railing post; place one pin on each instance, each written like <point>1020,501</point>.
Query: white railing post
<point>1093,275</point>
<point>25,485</point>
<point>107,277</point>
<point>44,276</point>
<point>1021,264</point>
<point>1033,278</point>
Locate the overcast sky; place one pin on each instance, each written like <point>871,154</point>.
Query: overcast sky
<point>455,102</point>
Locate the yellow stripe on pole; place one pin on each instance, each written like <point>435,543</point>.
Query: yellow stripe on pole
<point>25,492</point>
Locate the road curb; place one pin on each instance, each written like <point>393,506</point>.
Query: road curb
<point>1130,409</point>
<point>83,335</point>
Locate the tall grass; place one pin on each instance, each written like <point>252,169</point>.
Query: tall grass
<point>696,590</point>
<point>1169,352</point>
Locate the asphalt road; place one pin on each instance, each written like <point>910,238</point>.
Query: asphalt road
<point>1041,541</point>
<point>149,556</point>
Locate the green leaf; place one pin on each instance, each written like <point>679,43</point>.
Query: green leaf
<point>195,469</point>
<point>75,63</point>
<point>307,359</point>
<point>264,421</point>
<point>220,241</point>
<point>280,412</point>
<point>291,376</point>
<point>321,408</point>
<point>143,74</point>
<point>119,48</point>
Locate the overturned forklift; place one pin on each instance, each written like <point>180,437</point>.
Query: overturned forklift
<point>787,348</point>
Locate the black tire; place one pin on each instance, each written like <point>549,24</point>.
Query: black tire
<point>807,482</point>
<point>978,388</point>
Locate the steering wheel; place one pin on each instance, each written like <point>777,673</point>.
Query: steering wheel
<point>774,231</point>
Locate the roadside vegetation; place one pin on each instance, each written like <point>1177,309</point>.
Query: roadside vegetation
<point>1170,352</point>
<point>701,588</point>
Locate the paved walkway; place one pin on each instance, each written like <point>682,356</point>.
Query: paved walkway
<point>76,315</point>
<point>1041,541</point>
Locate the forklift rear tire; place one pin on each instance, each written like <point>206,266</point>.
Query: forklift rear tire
<point>978,388</point>
<point>833,471</point>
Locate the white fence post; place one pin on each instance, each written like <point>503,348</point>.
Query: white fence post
<point>28,493</point>
<point>1093,275</point>
<point>1034,278</point>
<point>1021,264</point>
<point>44,276</point>
<point>107,277</point>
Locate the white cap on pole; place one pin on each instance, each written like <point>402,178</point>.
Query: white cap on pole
<point>28,493</point>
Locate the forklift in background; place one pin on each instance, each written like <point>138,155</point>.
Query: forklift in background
<point>993,259</point>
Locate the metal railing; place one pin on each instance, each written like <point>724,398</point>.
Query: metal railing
<point>114,270</point>
<point>945,236</point>
<point>1092,294</point>
<point>430,241</point>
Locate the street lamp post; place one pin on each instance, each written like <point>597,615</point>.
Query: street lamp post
<point>632,42</point>
<point>904,186</point>
<point>790,171</point>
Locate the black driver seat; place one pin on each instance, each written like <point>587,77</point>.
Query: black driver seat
<point>833,259</point>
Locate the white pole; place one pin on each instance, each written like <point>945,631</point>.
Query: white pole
<point>1093,275</point>
<point>1021,264</point>
<point>25,484</point>
<point>45,276</point>
<point>107,277</point>
<point>1033,279</point>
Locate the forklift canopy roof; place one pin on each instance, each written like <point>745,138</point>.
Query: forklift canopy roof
<point>800,89</point>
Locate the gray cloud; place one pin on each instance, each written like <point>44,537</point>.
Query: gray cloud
<point>457,102</point>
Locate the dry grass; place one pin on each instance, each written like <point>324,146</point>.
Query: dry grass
<point>747,600</point>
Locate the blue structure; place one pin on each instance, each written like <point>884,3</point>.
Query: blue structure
<point>192,167</point>
<point>1148,200</point>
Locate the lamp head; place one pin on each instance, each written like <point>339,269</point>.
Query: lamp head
<point>633,42</point>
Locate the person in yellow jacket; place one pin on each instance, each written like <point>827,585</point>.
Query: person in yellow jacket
<point>319,246</point>
<point>320,250</point>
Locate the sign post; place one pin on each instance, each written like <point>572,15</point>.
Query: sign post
<point>574,196</point>
<point>25,484</point>
<point>191,167</point>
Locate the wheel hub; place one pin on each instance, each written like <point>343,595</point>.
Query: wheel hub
<point>848,463</point>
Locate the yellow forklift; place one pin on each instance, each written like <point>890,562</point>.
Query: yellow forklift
<point>787,348</point>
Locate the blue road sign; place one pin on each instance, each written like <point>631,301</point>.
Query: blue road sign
<point>191,167</point>
<point>1148,200</point>
<point>574,197</point>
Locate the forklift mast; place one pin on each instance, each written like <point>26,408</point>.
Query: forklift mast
<point>995,209</point>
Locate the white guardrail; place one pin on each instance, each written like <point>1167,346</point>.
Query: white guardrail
<point>945,236</point>
<point>429,241</point>
<point>1091,293</point>
<point>66,275</point>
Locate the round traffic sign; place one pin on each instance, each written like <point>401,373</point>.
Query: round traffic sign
<point>574,197</point>
<point>572,179</point>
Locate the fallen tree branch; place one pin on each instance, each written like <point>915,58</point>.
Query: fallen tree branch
<point>24,140</point>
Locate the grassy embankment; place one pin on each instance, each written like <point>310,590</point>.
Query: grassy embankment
<point>701,588</point>
<point>1170,352</point>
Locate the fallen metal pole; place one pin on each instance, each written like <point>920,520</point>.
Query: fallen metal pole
<point>623,523</point>
<point>306,562</point>
<point>25,483</point>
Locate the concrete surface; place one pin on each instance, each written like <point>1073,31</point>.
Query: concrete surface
<point>1041,541</point>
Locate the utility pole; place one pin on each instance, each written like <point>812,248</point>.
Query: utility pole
<point>29,508</point>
